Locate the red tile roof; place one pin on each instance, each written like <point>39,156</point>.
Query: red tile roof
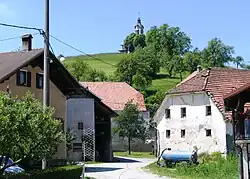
<point>116,94</point>
<point>217,82</point>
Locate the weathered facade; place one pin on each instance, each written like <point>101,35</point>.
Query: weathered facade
<point>193,113</point>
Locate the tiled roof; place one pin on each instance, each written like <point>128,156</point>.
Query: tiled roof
<point>116,94</point>
<point>217,82</point>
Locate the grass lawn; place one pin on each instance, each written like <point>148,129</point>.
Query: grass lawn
<point>110,58</point>
<point>162,83</point>
<point>210,169</point>
<point>135,154</point>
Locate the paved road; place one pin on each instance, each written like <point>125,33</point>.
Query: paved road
<point>125,168</point>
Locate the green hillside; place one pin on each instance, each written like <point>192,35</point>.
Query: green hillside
<point>107,61</point>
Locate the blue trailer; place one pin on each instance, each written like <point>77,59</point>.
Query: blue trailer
<point>172,157</point>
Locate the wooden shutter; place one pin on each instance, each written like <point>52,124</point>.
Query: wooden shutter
<point>29,79</point>
<point>18,78</point>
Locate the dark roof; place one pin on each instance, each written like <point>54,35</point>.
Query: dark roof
<point>10,62</point>
<point>217,82</point>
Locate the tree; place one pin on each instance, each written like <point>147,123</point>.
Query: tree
<point>135,69</point>
<point>169,42</point>
<point>130,124</point>
<point>96,75</point>
<point>238,61</point>
<point>83,72</point>
<point>216,54</point>
<point>192,59</point>
<point>26,130</point>
<point>133,40</point>
<point>78,68</point>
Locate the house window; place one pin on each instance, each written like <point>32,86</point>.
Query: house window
<point>23,78</point>
<point>80,125</point>
<point>77,147</point>
<point>183,112</point>
<point>168,133</point>
<point>208,132</point>
<point>208,111</point>
<point>39,80</point>
<point>167,113</point>
<point>183,133</point>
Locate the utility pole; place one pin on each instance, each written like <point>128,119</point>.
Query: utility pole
<point>46,91</point>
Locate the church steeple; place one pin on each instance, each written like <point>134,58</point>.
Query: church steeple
<point>139,28</point>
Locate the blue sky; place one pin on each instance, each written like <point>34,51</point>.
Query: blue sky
<point>98,26</point>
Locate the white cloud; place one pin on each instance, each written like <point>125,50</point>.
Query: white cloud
<point>5,11</point>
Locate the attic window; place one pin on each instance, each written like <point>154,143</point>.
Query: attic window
<point>183,112</point>
<point>23,78</point>
<point>167,113</point>
<point>208,111</point>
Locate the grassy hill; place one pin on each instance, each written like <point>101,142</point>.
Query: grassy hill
<point>104,62</point>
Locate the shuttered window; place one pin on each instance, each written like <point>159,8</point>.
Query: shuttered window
<point>23,78</point>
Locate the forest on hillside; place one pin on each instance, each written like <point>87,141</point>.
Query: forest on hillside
<point>161,48</point>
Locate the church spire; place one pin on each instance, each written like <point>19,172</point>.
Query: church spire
<point>139,28</point>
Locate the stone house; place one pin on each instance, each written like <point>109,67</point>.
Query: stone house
<point>193,113</point>
<point>22,71</point>
<point>116,95</point>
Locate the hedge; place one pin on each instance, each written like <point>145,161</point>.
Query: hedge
<point>67,172</point>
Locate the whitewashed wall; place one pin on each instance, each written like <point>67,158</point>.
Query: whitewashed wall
<point>195,124</point>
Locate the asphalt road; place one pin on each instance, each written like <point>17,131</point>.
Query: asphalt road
<point>125,168</point>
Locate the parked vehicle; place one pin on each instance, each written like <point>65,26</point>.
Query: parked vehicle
<point>9,166</point>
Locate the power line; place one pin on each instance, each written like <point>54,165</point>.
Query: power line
<point>21,27</point>
<point>81,51</point>
<point>17,37</point>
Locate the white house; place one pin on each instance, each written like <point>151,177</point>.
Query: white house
<point>193,114</point>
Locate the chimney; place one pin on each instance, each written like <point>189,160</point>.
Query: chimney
<point>27,42</point>
<point>198,68</point>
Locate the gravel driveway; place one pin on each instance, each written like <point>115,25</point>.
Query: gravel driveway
<point>124,168</point>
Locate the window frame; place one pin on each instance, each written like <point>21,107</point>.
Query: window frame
<point>208,110</point>
<point>208,132</point>
<point>38,77</point>
<point>183,114</point>
<point>77,147</point>
<point>80,125</point>
<point>27,78</point>
<point>168,133</point>
<point>183,133</point>
<point>167,113</point>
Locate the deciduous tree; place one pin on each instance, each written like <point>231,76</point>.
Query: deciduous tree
<point>217,54</point>
<point>130,124</point>
<point>26,130</point>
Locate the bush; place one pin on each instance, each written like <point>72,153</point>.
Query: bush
<point>68,172</point>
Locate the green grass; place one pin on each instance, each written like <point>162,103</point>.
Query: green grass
<point>211,168</point>
<point>163,83</point>
<point>135,154</point>
<point>110,58</point>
